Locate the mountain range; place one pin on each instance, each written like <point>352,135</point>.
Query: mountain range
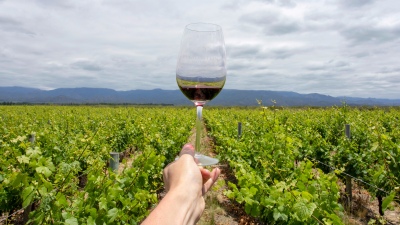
<point>227,97</point>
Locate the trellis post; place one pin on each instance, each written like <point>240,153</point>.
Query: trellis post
<point>239,129</point>
<point>28,209</point>
<point>114,161</point>
<point>348,179</point>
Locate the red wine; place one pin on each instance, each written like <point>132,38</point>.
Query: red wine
<point>200,93</point>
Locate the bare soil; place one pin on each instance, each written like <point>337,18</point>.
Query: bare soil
<point>365,209</point>
<point>219,209</point>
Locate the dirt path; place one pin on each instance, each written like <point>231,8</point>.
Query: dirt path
<point>219,209</point>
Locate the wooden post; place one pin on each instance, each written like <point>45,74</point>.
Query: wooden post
<point>114,161</point>
<point>379,203</point>
<point>347,131</point>
<point>239,130</point>
<point>348,179</point>
<point>349,191</point>
<point>28,209</point>
<point>32,138</point>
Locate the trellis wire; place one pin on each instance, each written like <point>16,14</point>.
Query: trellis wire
<point>355,178</point>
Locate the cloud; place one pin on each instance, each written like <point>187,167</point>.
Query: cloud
<point>262,51</point>
<point>272,21</point>
<point>371,33</point>
<point>8,24</point>
<point>286,3</point>
<point>329,47</point>
<point>244,51</point>
<point>86,65</point>
<point>260,17</point>
<point>8,21</point>
<point>329,66</point>
<point>282,27</point>
<point>392,69</point>
<point>355,3</point>
<point>60,4</point>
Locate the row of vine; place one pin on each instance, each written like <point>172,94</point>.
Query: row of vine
<point>71,142</point>
<point>277,182</point>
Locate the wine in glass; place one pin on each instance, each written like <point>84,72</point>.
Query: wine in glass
<point>201,71</point>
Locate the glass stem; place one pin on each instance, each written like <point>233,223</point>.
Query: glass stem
<point>198,127</point>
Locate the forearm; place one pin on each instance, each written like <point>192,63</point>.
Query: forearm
<point>177,207</point>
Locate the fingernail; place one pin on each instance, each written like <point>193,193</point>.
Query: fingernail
<point>188,146</point>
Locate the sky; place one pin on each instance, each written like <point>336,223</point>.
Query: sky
<point>331,47</point>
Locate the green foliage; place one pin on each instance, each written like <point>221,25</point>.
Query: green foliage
<point>272,156</point>
<point>275,180</point>
<point>73,143</point>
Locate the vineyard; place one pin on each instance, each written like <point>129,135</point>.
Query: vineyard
<point>288,164</point>
<point>288,161</point>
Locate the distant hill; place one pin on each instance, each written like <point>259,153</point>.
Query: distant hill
<point>227,97</point>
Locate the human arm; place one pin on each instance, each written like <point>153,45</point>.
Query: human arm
<point>186,185</point>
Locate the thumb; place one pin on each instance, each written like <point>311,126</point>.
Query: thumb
<point>187,149</point>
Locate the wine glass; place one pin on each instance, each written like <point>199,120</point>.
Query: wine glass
<point>201,71</point>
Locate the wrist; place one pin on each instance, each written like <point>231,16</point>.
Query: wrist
<point>185,205</point>
<point>177,207</point>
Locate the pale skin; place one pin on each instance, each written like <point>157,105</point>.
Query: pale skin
<point>186,184</point>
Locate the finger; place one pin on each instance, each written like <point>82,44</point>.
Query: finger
<point>206,174</point>
<point>187,149</point>
<point>213,177</point>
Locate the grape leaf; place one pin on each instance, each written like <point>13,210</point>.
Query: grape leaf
<point>71,221</point>
<point>27,196</point>
<point>90,221</point>
<point>303,210</point>
<point>43,170</point>
<point>388,200</point>
<point>112,214</point>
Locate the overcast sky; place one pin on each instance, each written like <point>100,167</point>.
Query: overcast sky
<point>333,47</point>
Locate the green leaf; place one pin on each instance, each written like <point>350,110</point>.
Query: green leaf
<point>306,195</point>
<point>23,159</point>
<point>33,153</point>
<point>92,212</point>
<point>71,221</point>
<point>90,221</point>
<point>374,146</point>
<point>388,200</point>
<point>20,179</point>
<point>229,194</point>
<point>42,190</point>
<point>303,210</point>
<point>253,191</point>
<point>333,219</point>
<point>27,196</point>
<point>252,209</point>
<point>279,215</point>
<point>103,203</point>
<point>43,170</point>
<point>61,200</point>
<point>112,214</point>
<point>301,186</point>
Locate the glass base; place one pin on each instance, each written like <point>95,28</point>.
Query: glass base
<point>203,160</point>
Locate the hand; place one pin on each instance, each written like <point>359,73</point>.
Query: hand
<point>186,184</point>
<point>185,172</point>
